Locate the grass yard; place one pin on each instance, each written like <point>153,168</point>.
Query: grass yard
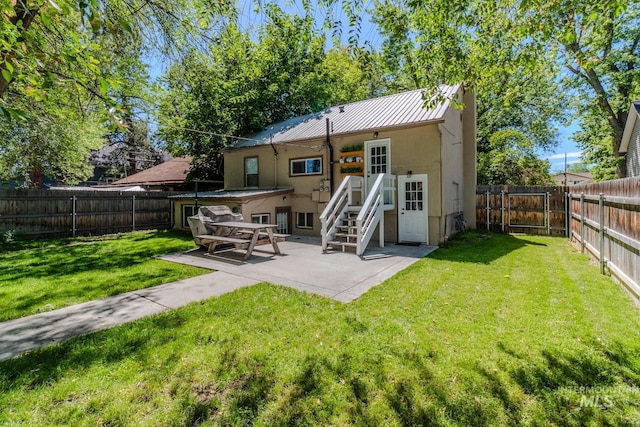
<point>43,275</point>
<point>492,330</point>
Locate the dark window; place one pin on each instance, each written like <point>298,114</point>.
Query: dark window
<point>251,172</point>
<point>304,220</point>
<point>310,166</point>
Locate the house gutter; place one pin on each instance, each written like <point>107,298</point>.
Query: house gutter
<point>331,172</point>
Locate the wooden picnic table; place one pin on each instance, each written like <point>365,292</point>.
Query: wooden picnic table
<point>235,232</point>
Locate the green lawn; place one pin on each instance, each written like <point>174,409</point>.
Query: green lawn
<point>492,330</point>
<point>43,275</point>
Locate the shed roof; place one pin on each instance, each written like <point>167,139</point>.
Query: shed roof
<point>401,109</point>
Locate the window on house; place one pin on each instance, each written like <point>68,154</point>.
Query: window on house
<point>187,211</point>
<point>308,166</point>
<point>261,219</point>
<point>304,220</point>
<point>251,172</point>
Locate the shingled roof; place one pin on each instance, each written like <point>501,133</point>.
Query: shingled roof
<point>173,171</point>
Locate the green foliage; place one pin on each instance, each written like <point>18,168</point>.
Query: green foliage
<point>493,330</point>
<point>511,54</point>
<point>55,142</point>
<point>242,84</point>
<point>351,148</point>
<point>8,236</point>
<point>578,167</point>
<point>351,169</point>
<point>42,275</point>
<point>511,160</point>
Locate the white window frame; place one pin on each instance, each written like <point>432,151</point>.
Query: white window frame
<point>306,224</point>
<point>304,160</point>
<point>261,218</point>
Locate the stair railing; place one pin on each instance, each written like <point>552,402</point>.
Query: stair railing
<point>372,213</point>
<point>338,206</point>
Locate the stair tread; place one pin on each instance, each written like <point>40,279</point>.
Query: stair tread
<point>344,235</point>
<point>340,243</point>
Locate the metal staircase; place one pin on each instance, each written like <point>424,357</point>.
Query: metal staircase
<point>346,223</point>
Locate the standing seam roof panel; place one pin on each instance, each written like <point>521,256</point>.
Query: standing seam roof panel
<point>393,110</point>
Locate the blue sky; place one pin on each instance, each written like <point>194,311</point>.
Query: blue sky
<point>565,146</point>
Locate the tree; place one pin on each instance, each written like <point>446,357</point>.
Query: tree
<point>578,167</point>
<point>242,84</point>
<point>510,159</point>
<point>440,42</point>
<point>599,47</point>
<point>596,42</point>
<point>55,143</point>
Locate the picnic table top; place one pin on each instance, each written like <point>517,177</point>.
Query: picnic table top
<point>245,225</point>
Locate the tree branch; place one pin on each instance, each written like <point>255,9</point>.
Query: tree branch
<point>26,16</point>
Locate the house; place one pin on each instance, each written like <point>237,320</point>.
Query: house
<point>631,140</point>
<point>168,176</point>
<point>403,172</point>
<point>572,178</point>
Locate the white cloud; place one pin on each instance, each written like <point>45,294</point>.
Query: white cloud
<point>561,156</point>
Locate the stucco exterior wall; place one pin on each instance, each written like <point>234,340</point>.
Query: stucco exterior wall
<point>266,205</point>
<point>415,149</point>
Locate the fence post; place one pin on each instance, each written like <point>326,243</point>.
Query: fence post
<point>133,212</point>
<point>488,194</point>
<point>567,214</point>
<point>73,216</point>
<point>502,210</point>
<point>547,200</point>
<point>601,230</point>
<point>582,222</point>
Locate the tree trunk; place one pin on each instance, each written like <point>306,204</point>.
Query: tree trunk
<point>36,178</point>
<point>621,160</point>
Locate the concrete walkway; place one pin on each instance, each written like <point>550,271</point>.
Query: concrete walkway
<point>28,333</point>
<point>337,275</point>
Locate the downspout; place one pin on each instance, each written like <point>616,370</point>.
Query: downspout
<point>331,173</point>
<point>275,162</point>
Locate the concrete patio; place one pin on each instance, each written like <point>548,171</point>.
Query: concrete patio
<point>342,276</point>
<point>302,265</point>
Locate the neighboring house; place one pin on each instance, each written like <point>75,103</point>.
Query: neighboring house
<point>330,161</point>
<point>572,178</point>
<point>167,176</point>
<point>631,140</point>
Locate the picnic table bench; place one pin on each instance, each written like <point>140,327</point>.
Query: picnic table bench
<point>235,232</point>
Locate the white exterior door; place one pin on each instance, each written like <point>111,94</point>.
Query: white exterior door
<point>377,160</point>
<point>413,221</point>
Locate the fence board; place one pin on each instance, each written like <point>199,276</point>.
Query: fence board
<point>50,213</point>
<point>522,209</point>
<point>617,232</point>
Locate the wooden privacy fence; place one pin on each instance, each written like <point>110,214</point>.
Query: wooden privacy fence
<point>605,221</point>
<point>522,209</point>
<point>62,213</point>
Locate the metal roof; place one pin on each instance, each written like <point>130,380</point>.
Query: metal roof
<point>401,109</point>
<point>229,194</point>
